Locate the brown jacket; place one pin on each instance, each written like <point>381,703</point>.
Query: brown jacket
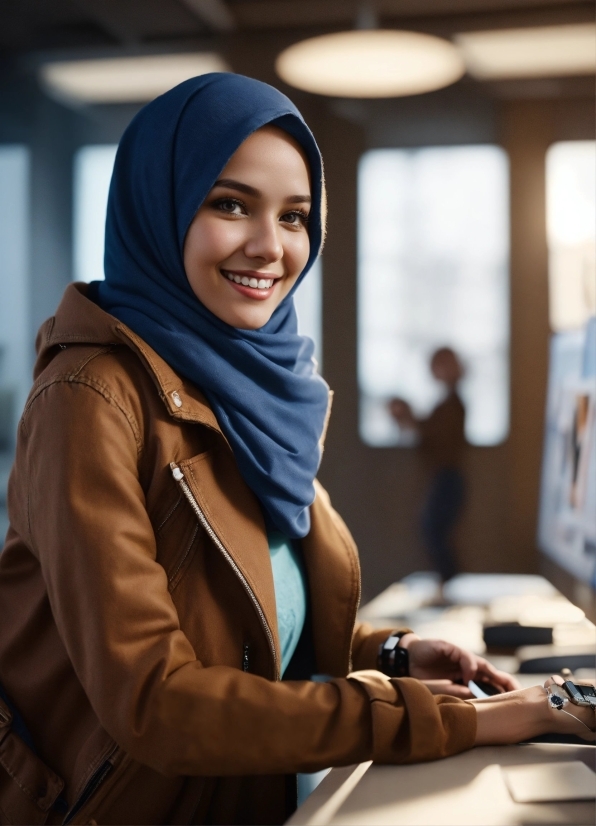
<point>138,636</point>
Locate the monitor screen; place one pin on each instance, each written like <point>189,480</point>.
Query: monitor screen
<point>567,520</point>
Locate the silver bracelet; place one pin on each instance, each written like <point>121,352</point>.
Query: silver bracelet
<point>558,703</point>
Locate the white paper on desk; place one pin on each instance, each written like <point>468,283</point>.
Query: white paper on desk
<point>542,782</point>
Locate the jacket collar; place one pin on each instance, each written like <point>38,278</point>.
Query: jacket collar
<point>78,320</point>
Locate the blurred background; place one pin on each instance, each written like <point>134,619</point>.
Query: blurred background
<point>460,165</point>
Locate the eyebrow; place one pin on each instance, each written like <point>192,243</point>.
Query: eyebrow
<point>228,183</point>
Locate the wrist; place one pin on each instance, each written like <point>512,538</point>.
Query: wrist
<point>512,717</point>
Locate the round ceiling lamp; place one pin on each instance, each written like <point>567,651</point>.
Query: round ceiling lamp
<point>374,63</point>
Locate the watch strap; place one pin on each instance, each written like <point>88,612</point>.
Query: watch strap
<point>393,660</point>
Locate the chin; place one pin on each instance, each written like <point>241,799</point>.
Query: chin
<point>250,325</point>
<point>247,321</point>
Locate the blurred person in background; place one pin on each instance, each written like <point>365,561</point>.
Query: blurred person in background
<point>441,441</point>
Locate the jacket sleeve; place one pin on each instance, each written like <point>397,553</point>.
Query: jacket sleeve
<point>89,527</point>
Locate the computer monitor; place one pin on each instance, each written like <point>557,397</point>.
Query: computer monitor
<point>567,519</point>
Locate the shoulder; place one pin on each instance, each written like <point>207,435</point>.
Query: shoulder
<point>113,370</point>
<point>83,377</point>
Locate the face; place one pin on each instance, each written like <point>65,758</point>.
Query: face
<point>248,243</point>
<point>446,367</point>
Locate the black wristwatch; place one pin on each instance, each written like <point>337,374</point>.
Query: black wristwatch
<point>392,659</point>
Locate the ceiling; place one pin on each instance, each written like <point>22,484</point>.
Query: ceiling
<point>30,26</point>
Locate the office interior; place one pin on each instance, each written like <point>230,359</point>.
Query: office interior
<point>376,482</point>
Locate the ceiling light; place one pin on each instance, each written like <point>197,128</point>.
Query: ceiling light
<point>370,64</point>
<point>545,51</point>
<point>126,79</point>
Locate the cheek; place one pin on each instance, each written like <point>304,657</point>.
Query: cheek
<point>210,241</point>
<point>297,250</point>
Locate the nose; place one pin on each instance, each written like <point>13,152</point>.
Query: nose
<point>264,241</point>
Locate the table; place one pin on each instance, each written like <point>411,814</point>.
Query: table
<point>465,790</point>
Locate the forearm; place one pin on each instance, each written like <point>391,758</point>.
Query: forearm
<point>512,717</point>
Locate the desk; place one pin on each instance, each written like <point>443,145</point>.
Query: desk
<point>465,790</point>
<point>468,789</point>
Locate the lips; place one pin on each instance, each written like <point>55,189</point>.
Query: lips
<point>250,285</point>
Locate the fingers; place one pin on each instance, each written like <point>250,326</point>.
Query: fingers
<point>465,660</point>
<point>500,679</point>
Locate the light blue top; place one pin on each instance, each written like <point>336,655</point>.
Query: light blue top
<point>289,579</point>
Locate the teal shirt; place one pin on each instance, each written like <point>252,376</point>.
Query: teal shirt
<point>289,579</point>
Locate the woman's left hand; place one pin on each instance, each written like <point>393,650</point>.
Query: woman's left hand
<point>441,665</point>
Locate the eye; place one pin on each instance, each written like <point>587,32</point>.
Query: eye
<point>297,217</point>
<point>231,206</point>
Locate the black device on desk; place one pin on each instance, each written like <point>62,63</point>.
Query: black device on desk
<point>514,635</point>
<point>481,689</point>
<point>552,663</point>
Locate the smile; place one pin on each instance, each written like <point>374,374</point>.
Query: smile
<point>245,281</point>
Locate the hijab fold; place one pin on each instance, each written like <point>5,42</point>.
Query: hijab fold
<point>262,384</point>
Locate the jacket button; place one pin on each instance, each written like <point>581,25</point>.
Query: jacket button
<point>176,398</point>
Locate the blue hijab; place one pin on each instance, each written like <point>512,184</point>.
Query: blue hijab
<point>261,384</point>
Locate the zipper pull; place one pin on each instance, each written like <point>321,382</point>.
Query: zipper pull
<point>176,472</point>
<point>245,657</point>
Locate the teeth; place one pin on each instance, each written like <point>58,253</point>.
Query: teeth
<point>260,284</point>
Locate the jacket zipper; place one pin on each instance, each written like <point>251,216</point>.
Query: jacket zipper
<point>91,786</point>
<point>179,477</point>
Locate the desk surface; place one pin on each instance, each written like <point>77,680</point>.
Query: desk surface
<point>465,790</point>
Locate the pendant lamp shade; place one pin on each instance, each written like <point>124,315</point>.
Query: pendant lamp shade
<point>372,63</point>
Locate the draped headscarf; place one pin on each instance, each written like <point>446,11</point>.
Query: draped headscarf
<point>262,384</point>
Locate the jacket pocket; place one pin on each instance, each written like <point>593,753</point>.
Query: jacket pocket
<point>28,788</point>
<point>177,535</point>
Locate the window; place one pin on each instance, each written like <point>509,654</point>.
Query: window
<point>92,172</point>
<point>433,271</point>
<point>571,232</point>
<point>308,300</point>
<point>15,344</point>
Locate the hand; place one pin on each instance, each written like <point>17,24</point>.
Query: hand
<point>442,663</point>
<point>402,413</point>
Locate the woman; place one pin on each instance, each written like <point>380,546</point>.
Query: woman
<point>170,554</point>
